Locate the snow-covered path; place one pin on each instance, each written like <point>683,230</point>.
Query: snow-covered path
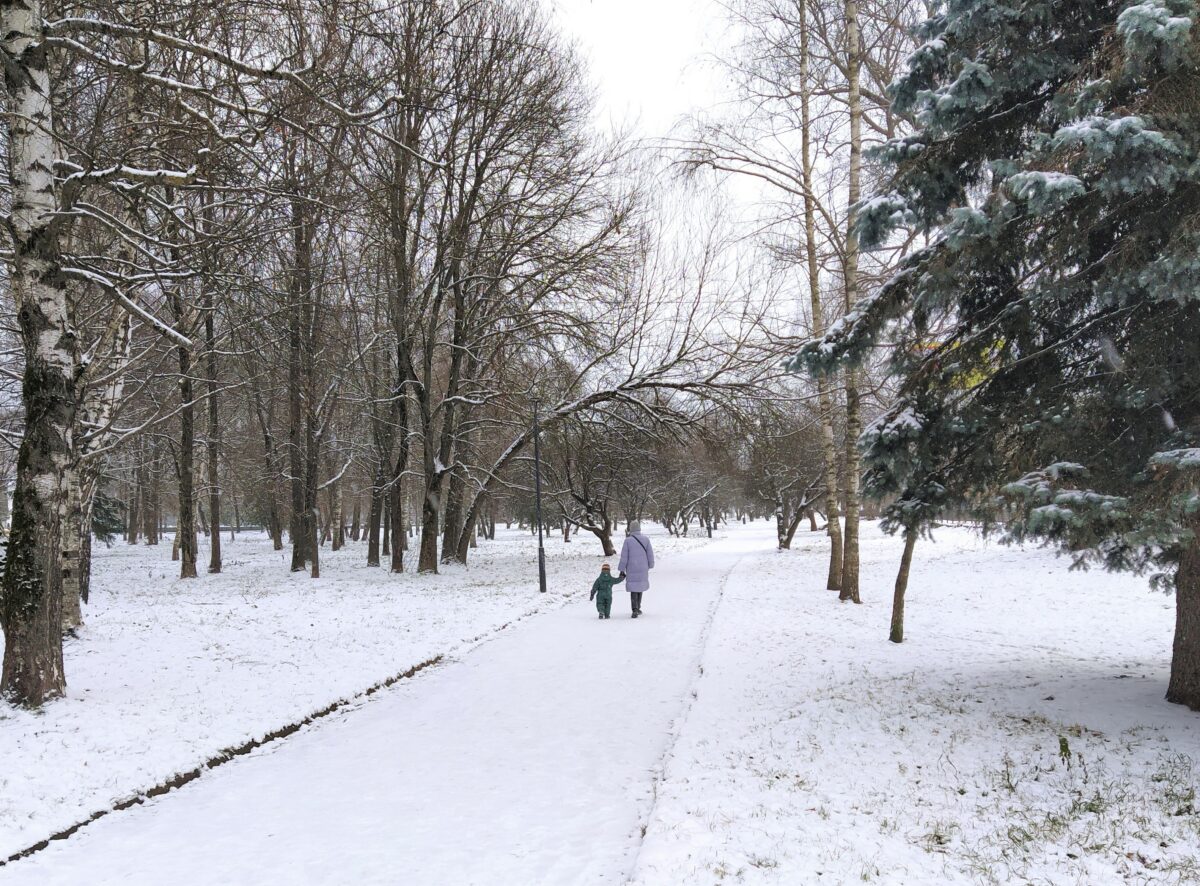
<point>532,760</point>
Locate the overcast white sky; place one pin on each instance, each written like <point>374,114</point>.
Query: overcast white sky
<point>647,56</point>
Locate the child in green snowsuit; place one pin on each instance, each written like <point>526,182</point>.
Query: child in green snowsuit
<point>602,590</point>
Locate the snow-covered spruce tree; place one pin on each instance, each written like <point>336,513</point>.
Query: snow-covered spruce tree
<point>1048,338</point>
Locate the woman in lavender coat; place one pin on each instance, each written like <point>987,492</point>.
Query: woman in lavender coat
<point>637,559</point>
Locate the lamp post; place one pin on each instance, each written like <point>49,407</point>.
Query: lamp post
<point>537,482</point>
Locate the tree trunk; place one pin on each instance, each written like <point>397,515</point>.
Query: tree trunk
<point>186,534</point>
<point>824,398</point>
<point>100,387</point>
<point>794,524</point>
<point>399,542</point>
<point>466,539</point>
<point>910,542</point>
<point>452,516</point>
<point>337,519</point>
<point>374,518</point>
<point>214,432</point>
<point>604,533</point>
<point>849,589</point>
<point>134,516</point>
<point>31,589</point>
<point>73,530</point>
<point>387,525</point>
<point>275,526</point>
<point>85,556</point>
<point>397,514</point>
<point>356,520</point>
<point>427,558</point>
<point>1184,687</point>
<point>152,506</point>
<point>314,527</point>
<point>300,284</point>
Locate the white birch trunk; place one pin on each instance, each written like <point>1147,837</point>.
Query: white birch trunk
<point>833,580</point>
<point>31,592</point>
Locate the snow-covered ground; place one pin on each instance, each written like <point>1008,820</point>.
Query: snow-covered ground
<point>749,729</point>
<point>1018,735</point>
<point>530,760</point>
<point>166,674</point>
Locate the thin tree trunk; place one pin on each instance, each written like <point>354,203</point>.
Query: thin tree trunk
<point>825,397</point>
<point>135,502</point>
<point>849,589</point>
<point>374,518</point>
<point>85,559</point>
<point>152,506</point>
<point>910,542</point>
<point>314,523</point>
<point>337,520</point>
<point>356,520</point>
<point>186,524</point>
<point>274,520</point>
<point>73,530</point>
<point>186,533</point>
<point>387,526</point>
<point>312,461</point>
<point>300,284</point>
<point>399,543</point>
<point>396,516</point>
<point>214,426</point>
<point>100,387</point>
